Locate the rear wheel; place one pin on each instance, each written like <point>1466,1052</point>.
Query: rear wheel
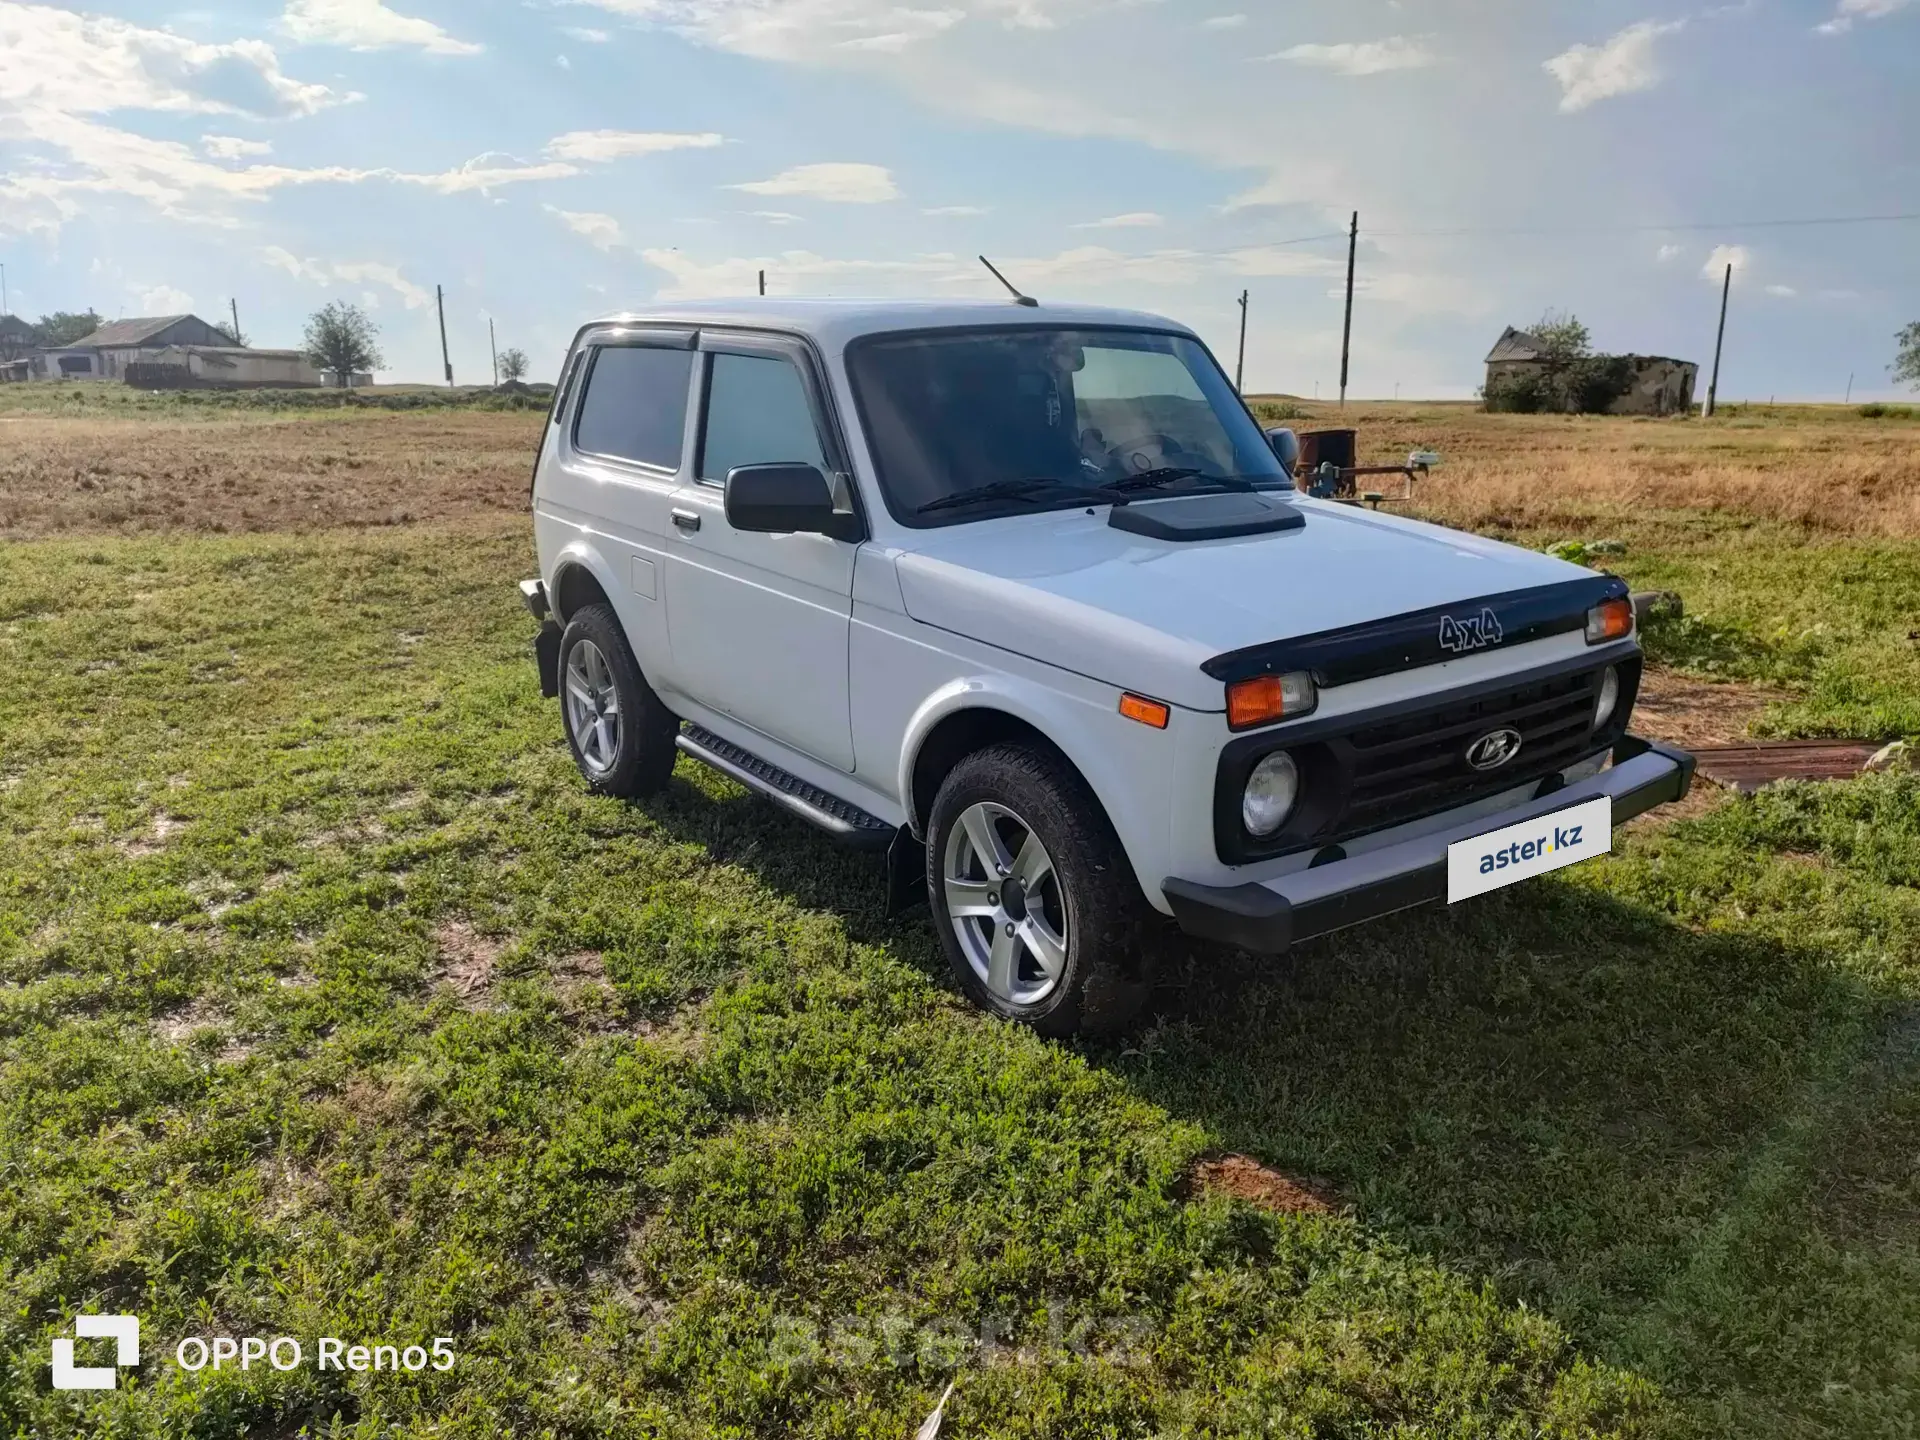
<point>1037,908</point>
<point>622,737</point>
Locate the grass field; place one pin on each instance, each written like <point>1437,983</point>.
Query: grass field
<point>331,1005</point>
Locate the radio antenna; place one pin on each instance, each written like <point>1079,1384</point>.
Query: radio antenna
<point>1018,298</point>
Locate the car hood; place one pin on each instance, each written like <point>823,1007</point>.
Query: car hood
<point>1145,614</point>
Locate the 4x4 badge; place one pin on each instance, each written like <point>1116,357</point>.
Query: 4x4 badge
<point>1476,632</point>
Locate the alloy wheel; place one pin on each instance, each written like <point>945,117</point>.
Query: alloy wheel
<point>593,707</point>
<point>1004,903</point>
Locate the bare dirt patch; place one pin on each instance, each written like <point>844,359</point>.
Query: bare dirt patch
<point>466,961</point>
<point>96,474</point>
<point>201,1021</point>
<point>1684,711</point>
<point>1241,1178</point>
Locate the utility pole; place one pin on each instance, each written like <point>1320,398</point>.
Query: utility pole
<point>440,299</point>
<point>4,308</point>
<point>234,305</point>
<point>1713,386</point>
<point>1849,399</point>
<point>1346,335</point>
<point>763,283</point>
<point>494,346</point>
<point>1240,367</point>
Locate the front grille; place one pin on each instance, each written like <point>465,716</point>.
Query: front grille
<point>1416,765</point>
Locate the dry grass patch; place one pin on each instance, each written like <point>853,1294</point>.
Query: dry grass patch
<point>93,474</point>
<point>1821,467</point>
<point>1684,711</point>
<point>466,961</point>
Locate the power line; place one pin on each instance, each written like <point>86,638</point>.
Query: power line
<point>1654,229</point>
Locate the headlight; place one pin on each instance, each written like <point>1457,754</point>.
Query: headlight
<point>1609,697</point>
<point>1271,791</point>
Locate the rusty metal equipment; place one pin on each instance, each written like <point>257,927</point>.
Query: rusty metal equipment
<point>1329,468</point>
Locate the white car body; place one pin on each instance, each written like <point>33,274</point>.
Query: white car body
<point>835,660</point>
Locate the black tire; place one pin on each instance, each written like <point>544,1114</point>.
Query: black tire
<point>1106,977</point>
<point>642,756</point>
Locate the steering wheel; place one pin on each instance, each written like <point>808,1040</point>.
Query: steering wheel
<point>1148,450</point>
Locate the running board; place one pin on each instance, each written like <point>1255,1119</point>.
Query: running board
<point>846,822</point>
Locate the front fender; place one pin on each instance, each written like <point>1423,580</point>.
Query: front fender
<point>1128,766</point>
<point>581,553</point>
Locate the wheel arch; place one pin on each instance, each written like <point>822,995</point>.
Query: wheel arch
<point>581,577</point>
<point>971,713</point>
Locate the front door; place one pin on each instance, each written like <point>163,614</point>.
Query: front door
<point>759,623</point>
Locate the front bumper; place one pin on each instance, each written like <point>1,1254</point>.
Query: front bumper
<point>1269,917</point>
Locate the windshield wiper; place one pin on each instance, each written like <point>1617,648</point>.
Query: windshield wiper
<point>1031,491</point>
<point>1169,474</point>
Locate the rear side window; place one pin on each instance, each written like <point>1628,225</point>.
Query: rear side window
<point>635,405</point>
<point>757,414</point>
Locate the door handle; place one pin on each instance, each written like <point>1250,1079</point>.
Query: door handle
<point>688,520</point>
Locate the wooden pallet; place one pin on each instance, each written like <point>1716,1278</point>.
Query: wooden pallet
<point>1749,767</point>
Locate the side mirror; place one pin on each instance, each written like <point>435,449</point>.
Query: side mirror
<point>787,499</point>
<point>1286,445</point>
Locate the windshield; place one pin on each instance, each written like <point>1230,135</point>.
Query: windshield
<point>948,412</point>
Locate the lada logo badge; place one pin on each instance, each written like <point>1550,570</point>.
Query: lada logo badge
<point>1493,749</point>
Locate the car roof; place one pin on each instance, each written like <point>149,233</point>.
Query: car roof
<point>832,323</point>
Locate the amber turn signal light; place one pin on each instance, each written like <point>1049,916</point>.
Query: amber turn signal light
<point>1147,712</point>
<point>1266,698</point>
<point>1609,620</point>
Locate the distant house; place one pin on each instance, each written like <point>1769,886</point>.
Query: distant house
<point>1659,385</point>
<point>120,343</point>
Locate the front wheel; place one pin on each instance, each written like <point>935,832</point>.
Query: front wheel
<point>1037,908</point>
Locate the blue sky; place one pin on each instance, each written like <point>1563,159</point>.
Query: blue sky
<point>547,162</point>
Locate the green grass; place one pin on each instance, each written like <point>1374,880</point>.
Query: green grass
<point>330,1004</point>
<point>1837,622</point>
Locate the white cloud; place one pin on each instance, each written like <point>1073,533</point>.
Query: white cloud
<point>586,35</point>
<point>358,272</point>
<point>598,146</point>
<point>775,217</point>
<point>957,210</point>
<point>1623,65</point>
<point>165,300</point>
<point>1852,10</point>
<point>1668,252</point>
<point>563,62</point>
<point>366,25</point>
<point>1738,256</point>
<point>1223,22</point>
<point>603,232</point>
<point>845,183</point>
<point>1783,292</point>
<point>52,60</point>
<point>1363,57</point>
<point>232,147</point>
<point>1133,220</point>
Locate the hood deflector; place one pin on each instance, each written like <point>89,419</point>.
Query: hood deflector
<point>1216,516</point>
<point>1424,637</point>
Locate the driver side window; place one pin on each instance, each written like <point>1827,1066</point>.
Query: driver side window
<point>757,414</point>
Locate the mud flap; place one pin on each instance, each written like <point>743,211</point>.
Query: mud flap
<point>546,653</point>
<point>906,873</point>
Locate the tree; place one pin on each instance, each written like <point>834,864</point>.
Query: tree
<point>513,365</point>
<point>1564,339</point>
<point>1906,359</point>
<point>234,336</point>
<point>341,338</point>
<point>63,327</point>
